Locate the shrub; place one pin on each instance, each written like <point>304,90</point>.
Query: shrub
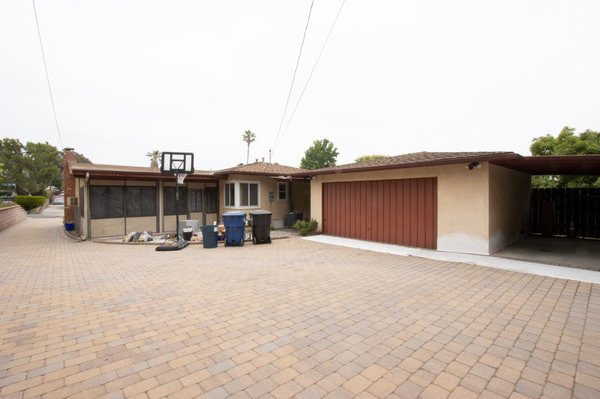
<point>305,227</point>
<point>29,202</point>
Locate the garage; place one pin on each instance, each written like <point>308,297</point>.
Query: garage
<point>399,211</point>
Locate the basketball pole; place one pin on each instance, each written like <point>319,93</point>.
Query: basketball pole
<point>177,206</point>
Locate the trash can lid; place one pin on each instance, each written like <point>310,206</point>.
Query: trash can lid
<point>234,213</point>
<point>260,212</point>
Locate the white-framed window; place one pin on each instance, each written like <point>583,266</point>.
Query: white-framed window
<point>282,189</point>
<point>230,194</point>
<point>242,194</point>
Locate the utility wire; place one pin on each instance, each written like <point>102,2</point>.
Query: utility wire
<point>294,77</point>
<point>313,68</point>
<point>47,76</point>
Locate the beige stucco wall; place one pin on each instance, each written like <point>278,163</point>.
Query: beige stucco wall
<point>278,207</point>
<point>108,227</point>
<point>510,193</point>
<point>463,198</point>
<point>144,223</point>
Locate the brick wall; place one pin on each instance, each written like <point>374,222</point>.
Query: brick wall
<point>10,216</point>
<point>69,183</point>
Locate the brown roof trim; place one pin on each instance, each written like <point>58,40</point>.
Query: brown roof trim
<point>449,160</point>
<point>114,172</point>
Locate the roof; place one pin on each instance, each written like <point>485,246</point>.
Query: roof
<point>261,168</point>
<point>121,171</point>
<point>555,164</point>
<point>416,159</point>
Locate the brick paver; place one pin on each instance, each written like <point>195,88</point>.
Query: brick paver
<point>293,318</point>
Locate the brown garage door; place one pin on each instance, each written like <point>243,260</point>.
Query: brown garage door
<point>402,212</point>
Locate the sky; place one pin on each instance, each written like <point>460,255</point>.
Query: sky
<point>129,77</point>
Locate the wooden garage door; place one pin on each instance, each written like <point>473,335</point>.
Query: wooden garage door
<point>402,212</point>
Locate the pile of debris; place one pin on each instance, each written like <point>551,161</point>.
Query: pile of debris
<point>136,236</point>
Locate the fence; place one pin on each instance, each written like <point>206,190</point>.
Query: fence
<point>566,212</point>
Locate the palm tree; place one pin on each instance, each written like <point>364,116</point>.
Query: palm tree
<point>248,137</point>
<point>154,156</point>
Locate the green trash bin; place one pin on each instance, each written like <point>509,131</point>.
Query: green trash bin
<point>209,236</point>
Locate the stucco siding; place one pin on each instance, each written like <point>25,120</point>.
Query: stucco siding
<point>267,185</point>
<point>108,227</point>
<point>510,193</point>
<point>463,198</point>
<point>146,223</point>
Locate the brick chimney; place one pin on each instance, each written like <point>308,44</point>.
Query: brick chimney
<point>70,156</point>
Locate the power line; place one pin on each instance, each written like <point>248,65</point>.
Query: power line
<point>37,24</point>
<point>294,77</point>
<point>313,68</point>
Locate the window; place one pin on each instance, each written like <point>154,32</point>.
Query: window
<point>230,194</point>
<point>140,201</point>
<point>170,203</point>
<point>248,194</point>
<point>282,191</point>
<point>106,202</point>
<point>196,200</point>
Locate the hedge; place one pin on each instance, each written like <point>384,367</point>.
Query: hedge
<point>29,202</point>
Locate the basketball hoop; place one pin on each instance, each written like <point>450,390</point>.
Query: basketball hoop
<point>180,177</point>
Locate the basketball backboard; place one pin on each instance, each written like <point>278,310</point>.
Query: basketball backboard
<point>177,162</point>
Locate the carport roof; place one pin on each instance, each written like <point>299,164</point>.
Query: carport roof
<point>554,164</point>
<point>533,165</point>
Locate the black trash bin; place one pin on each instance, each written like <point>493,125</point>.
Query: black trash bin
<point>187,233</point>
<point>261,227</point>
<point>234,222</point>
<point>209,236</point>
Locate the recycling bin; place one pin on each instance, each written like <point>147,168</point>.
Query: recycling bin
<point>261,227</point>
<point>209,236</point>
<point>235,223</point>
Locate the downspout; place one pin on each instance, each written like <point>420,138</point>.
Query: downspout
<point>86,204</point>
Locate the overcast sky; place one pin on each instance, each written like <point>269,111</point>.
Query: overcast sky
<point>130,77</point>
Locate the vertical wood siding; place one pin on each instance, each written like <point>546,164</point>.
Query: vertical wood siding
<point>402,212</point>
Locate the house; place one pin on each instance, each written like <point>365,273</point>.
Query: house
<point>267,186</point>
<point>111,200</point>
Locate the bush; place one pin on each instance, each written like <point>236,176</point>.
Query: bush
<point>29,202</point>
<point>306,227</point>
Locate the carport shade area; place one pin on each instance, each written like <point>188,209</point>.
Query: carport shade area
<point>402,212</point>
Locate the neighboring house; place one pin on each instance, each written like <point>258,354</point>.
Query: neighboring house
<point>267,186</point>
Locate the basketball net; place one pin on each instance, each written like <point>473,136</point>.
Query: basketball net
<point>180,177</point>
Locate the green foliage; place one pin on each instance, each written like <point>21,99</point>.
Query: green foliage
<point>31,167</point>
<point>154,157</point>
<point>322,154</point>
<point>248,137</point>
<point>305,227</point>
<point>29,202</point>
<point>368,158</point>
<point>566,143</point>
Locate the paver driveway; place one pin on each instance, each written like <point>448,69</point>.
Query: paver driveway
<point>290,319</point>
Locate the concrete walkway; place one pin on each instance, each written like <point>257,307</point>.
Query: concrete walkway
<point>294,318</point>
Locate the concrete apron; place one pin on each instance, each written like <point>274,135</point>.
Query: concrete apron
<point>534,268</point>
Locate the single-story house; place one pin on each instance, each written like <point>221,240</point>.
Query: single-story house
<point>110,200</point>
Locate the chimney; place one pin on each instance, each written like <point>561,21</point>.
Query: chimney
<point>70,156</point>
<point>263,159</point>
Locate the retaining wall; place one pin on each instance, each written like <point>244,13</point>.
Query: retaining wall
<point>10,216</point>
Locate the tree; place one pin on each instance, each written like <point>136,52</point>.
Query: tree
<point>566,143</point>
<point>367,158</point>
<point>248,137</point>
<point>31,167</point>
<point>321,154</point>
<point>154,157</point>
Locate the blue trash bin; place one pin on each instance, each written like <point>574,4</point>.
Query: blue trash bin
<point>209,236</point>
<point>235,223</point>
